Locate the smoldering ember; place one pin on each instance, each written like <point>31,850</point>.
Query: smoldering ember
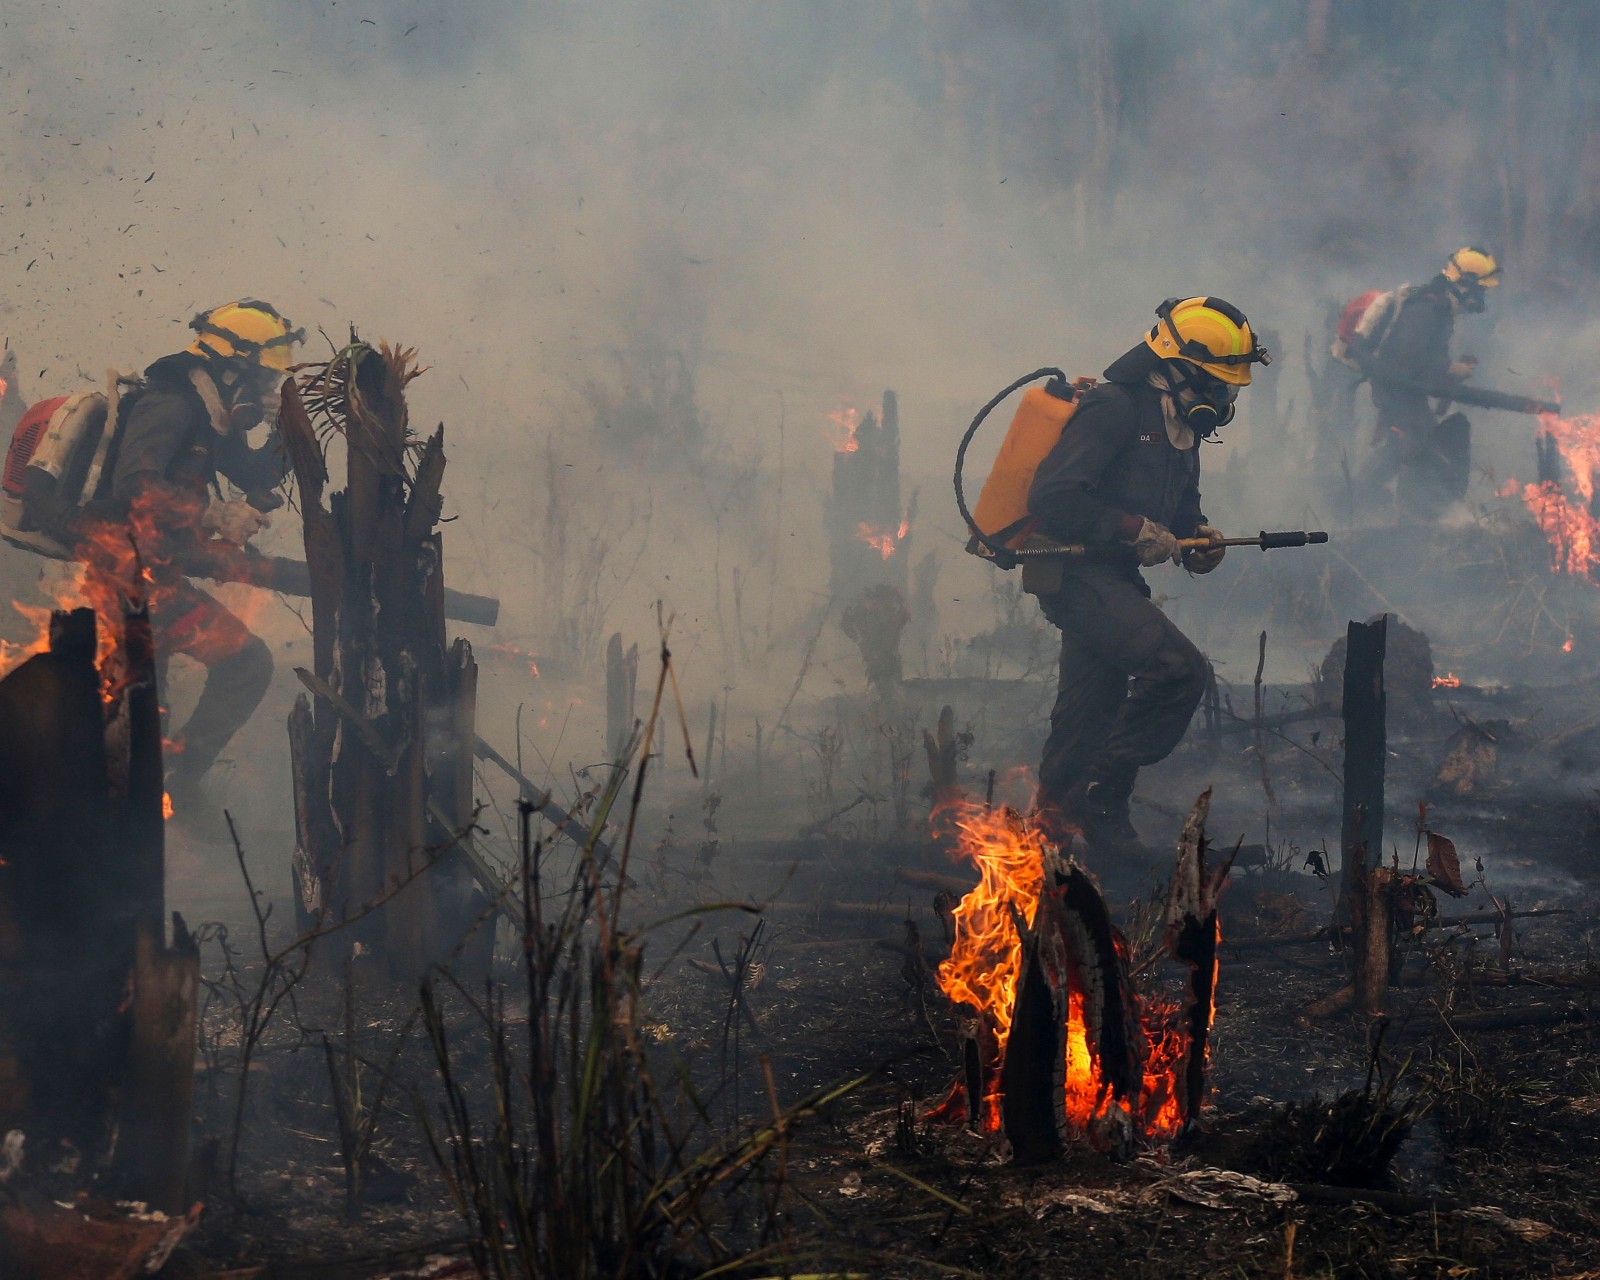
<point>666,640</point>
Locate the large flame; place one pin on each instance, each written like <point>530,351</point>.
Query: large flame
<point>1567,518</point>
<point>119,560</point>
<point>985,964</point>
<point>985,967</point>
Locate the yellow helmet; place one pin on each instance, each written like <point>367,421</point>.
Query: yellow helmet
<point>245,330</point>
<point>1475,266</point>
<point>1209,333</point>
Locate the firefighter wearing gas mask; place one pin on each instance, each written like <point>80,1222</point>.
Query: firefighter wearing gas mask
<point>1124,480</point>
<point>184,428</point>
<point>1401,349</point>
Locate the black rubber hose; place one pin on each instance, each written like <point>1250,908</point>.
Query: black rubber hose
<point>1000,549</point>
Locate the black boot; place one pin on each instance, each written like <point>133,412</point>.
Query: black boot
<point>1098,804</point>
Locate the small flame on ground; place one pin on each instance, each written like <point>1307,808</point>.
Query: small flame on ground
<point>1566,645</point>
<point>513,651</point>
<point>166,806</point>
<point>1449,680</point>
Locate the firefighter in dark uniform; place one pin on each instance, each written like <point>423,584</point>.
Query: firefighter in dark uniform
<point>1427,456</point>
<point>1124,479</point>
<point>183,429</point>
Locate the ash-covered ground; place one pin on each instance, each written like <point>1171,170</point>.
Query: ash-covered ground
<point>825,839</point>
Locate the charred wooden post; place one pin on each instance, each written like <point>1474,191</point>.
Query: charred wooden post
<point>1374,942</point>
<point>153,1147</point>
<point>1365,754</point>
<point>82,867</point>
<point>622,682</point>
<point>1192,934</point>
<point>943,747</point>
<point>980,1061</point>
<point>1033,1075</point>
<point>382,751</point>
<point>66,948</point>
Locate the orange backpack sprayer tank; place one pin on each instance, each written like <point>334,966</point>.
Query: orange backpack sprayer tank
<point>1000,524</point>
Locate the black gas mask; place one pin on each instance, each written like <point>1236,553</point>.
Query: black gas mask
<point>253,395</point>
<point>1469,295</point>
<point>1204,403</point>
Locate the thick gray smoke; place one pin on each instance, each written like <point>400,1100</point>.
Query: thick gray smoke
<point>646,247</point>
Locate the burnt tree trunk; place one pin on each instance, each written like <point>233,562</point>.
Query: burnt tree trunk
<point>865,506</point>
<point>383,748</point>
<point>82,905</point>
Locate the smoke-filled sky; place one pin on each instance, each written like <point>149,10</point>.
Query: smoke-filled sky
<point>626,226</point>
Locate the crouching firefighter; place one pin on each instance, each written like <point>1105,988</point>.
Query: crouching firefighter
<point>143,478</point>
<point>1120,483</point>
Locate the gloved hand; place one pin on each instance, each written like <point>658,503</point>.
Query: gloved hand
<point>1204,559</point>
<point>234,521</point>
<point>1155,543</point>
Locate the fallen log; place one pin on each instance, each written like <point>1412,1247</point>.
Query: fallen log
<point>1532,1015</point>
<point>1271,942</point>
<point>1559,981</point>
<point>958,885</point>
<point>293,578</point>
<point>825,907</point>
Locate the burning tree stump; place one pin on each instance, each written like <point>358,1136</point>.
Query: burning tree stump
<point>864,513</point>
<point>869,540</point>
<point>97,1013</point>
<point>1061,1048</point>
<point>1075,1031</point>
<point>382,751</point>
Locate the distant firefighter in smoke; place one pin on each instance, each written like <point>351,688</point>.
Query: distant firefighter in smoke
<point>1400,341</point>
<point>1123,480</point>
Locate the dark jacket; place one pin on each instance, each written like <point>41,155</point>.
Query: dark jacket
<point>1113,468</point>
<point>1417,344</point>
<point>167,436</point>
<point>1416,348</point>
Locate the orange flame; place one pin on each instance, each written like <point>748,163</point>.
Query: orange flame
<point>1449,680</point>
<point>1573,533</point>
<point>513,651</point>
<point>886,543</point>
<point>166,806</point>
<point>842,431</point>
<point>984,966</point>
<point>119,560</point>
